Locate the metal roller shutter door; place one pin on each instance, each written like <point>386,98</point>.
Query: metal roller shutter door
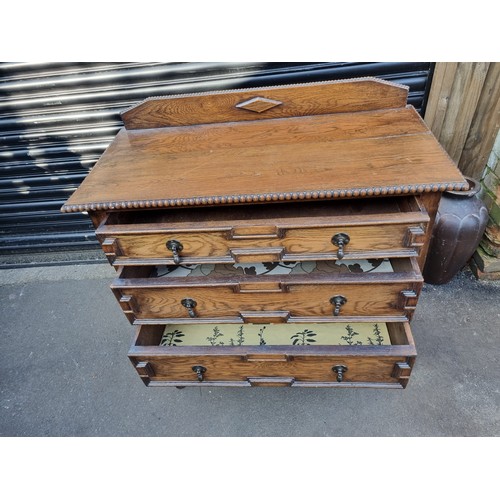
<point>56,119</point>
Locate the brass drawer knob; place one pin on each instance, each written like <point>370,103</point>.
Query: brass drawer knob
<point>199,370</point>
<point>175,247</point>
<point>338,301</point>
<point>339,370</point>
<point>189,304</point>
<point>340,240</point>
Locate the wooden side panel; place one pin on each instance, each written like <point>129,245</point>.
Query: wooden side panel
<point>431,204</point>
<point>343,96</point>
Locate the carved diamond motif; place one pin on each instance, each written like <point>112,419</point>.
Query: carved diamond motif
<point>258,104</point>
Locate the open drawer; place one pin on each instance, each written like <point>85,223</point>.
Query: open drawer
<point>307,355</point>
<point>316,230</point>
<point>301,292</point>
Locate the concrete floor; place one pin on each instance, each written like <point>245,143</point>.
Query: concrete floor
<point>64,371</point>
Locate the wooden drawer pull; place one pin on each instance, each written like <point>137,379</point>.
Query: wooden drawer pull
<point>340,370</point>
<point>267,254</point>
<point>271,381</point>
<point>189,304</point>
<point>175,247</point>
<point>340,240</point>
<point>199,370</point>
<point>266,358</point>
<point>265,316</point>
<point>338,301</point>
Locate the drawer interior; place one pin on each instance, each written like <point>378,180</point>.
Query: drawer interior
<point>275,268</point>
<point>275,334</point>
<point>344,269</point>
<point>216,337</point>
<point>265,212</point>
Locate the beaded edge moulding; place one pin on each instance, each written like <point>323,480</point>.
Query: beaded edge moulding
<point>253,198</point>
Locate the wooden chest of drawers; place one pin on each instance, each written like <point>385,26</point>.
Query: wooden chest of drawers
<point>271,236</point>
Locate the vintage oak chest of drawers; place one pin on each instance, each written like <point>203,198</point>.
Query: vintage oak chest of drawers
<point>270,236</point>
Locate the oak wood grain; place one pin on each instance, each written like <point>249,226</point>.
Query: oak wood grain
<point>299,231</point>
<point>297,366</point>
<point>301,129</point>
<point>295,244</point>
<point>308,364</point>
<point>257,172</point>
<point>272,174</point>
<point>300,300</point>
<point>431,203</point>
<point>307,369</point>
<point>288,100</point>
<point>264,218</point>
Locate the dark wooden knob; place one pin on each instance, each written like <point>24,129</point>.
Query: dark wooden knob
<point>339,370</point>
<point>199,370</point>
<point>338,301</point>
<point>189,304</point>
<point>340,240</point>
<point>175,247</point>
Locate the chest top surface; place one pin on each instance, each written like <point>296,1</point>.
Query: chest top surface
<point>347,138</point>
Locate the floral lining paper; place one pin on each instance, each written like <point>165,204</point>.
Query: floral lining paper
<point>275,268</point>
<point>304,334</point>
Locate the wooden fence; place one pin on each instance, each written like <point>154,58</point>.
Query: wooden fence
<point>463,111</point>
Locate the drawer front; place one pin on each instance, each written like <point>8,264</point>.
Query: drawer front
<point>269,302</point>
<point>292,244</point>
<point>342,366</point>
<point>290,231</point>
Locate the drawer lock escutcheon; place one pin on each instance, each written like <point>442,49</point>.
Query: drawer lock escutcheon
<point>199,370</point>
<point>338,301</point>
<point>175,247</point>
<point>340,370</point>
<point>340,240</point>
<point>189,304</point>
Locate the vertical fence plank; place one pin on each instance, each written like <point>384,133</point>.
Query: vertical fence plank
<point>467,86</point>
<point>442,83</point>
<point>484,127</point>
<point>463,111</point>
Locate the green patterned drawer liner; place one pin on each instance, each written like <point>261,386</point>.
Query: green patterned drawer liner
<point>275,334</point>
<point>276,268</point>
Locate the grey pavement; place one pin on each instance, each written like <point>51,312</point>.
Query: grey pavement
<point>64,371</point>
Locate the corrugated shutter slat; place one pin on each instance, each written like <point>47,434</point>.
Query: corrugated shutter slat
<point>56,119</point>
